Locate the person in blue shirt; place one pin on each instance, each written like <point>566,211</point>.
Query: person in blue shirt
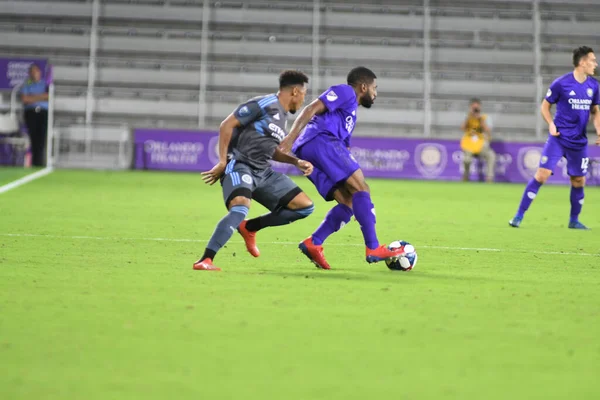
<point>34,95</point>
<point>576,96</point>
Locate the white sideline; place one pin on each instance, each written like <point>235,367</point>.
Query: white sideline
<point>484,249</point>
<point>26,179</point>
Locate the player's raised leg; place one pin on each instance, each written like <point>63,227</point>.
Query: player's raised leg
<point>287,202</point>
<point>335,220</point>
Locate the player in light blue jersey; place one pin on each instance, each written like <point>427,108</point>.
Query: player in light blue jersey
<point>248,140</point>
<point>576,95</point>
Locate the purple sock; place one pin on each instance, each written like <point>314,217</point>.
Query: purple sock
<point>531,191</point>
<point>335,220</point>
<point>364,211</point>
<point>576,202</point>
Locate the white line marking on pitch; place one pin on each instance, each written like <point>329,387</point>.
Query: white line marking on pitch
<point>483,249</point>
<point>26,179</point>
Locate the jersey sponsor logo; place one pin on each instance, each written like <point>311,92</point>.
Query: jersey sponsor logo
<point>572,93</point>
<point>353,112</point>
<point>247,179</point>
<point>331,96</point>
<point>549,93</point>
<point>349,124</point>
<point>590,92</point>
<point>244,111</point>
<point>276,116</point>
<point>276,132</point>
<point>580,104</point>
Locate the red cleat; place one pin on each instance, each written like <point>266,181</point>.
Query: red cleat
<point>382,253</point>
<point>249,238</point>
<point>314,253</point>
<point>205,265</point>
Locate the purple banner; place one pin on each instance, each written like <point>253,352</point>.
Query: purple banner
<point>13,71</point>
<point>175,150</point>
<point>379,157</point>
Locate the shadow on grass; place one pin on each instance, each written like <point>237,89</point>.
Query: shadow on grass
<point>382,276</point>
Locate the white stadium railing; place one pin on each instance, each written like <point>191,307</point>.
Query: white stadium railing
<point>152,59</point>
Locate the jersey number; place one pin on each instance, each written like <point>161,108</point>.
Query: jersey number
<point>584,164</point>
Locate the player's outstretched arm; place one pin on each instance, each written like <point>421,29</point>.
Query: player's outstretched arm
<point>596,120</point>
<point>302,165</point>
<point>545,111</point>
<point>225,133</point>
<point>315,108</point>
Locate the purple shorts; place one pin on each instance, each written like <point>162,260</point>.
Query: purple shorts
<point>333,163</point>
<point>577,159</point>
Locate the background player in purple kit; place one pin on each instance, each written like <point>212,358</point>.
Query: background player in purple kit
<point>575,95</point>
<point>329,122</point>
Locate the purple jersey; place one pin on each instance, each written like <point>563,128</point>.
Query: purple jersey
<point>339,119</point>
<point>573,103</point>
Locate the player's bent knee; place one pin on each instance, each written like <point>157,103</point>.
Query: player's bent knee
<point>342,196</point>
<point>288,215</point>
<point>356,183</point>
<point>305,212</point>
<point>300,201</point>
<point>239,201</point>
<point>542,175</point>
<point>578,181</point>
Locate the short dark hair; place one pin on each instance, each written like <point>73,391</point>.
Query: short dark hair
<point>579,53</point>
<point>360,75</point>
<point>474,100</point>
<point>292,78</point>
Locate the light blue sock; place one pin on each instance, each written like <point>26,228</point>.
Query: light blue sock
<point>226,227</point>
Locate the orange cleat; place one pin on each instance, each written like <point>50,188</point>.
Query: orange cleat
<point>249,238</point>
<point>205,265</point>
<point>382,253</point>
<point>314,253</point>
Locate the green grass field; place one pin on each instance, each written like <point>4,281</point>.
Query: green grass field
<point>98,299</point>
<point>10,174</point>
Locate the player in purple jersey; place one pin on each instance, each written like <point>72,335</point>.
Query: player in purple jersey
<point>576,95</point>
<point>329,122</point>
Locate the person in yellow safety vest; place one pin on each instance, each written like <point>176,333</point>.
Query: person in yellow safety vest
<point>476,141</point>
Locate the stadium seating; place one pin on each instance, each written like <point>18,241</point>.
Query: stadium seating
<point>148,57</point>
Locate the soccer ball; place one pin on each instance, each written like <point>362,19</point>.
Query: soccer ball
<point>405,262</point>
